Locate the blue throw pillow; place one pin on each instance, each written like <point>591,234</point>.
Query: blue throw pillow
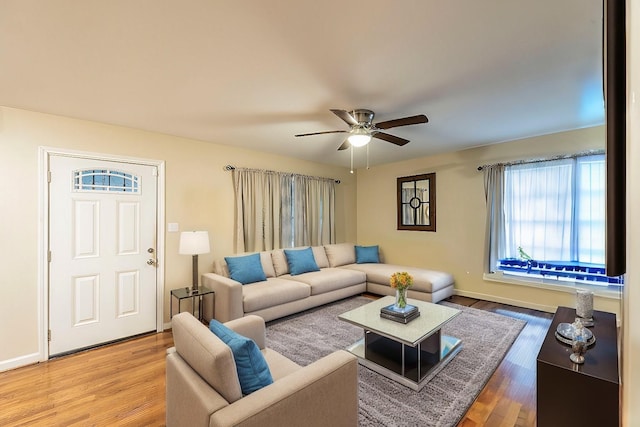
<point>367,254</point>
<point>301,261</point>
<point>246,269</point>
<point>253,371</point>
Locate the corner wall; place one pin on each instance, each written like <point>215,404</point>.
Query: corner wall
<point>457,246</point>
<point>199,195</point>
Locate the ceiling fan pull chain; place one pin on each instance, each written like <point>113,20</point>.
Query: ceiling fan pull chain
<point>351,159</point>
<point>368,156</point>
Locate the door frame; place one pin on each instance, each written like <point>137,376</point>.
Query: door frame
<point>44,154</point>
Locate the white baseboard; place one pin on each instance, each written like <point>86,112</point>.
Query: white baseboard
<point>517,303</point>
<point>18,362</point>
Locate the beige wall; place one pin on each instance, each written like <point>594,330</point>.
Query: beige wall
<point>199,195</point>
<point>457,246</point>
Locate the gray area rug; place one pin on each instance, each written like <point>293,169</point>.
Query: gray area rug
<point>486,338</point>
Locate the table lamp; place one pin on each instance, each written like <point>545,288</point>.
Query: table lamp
<point>194,243</point>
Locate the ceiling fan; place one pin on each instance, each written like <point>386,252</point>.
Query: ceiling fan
<point>363,128</point>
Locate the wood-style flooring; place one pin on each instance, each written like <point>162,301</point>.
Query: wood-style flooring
<point>509,398</point>
<point>123,384</point>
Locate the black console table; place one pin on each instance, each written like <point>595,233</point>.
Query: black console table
<point>579,395</point>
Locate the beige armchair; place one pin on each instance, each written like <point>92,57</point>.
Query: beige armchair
<point>203,387</point>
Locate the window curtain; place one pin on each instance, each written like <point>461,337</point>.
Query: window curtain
<point>319,208</point>
<point>537,220</point>
<point>590,223</point>
<point>287,211</point>
<point>279,210</point>
<point>258,210</point>
<point>494,223</point>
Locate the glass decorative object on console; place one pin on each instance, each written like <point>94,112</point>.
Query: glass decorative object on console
<point>579,342</point>
<point>584,306</point>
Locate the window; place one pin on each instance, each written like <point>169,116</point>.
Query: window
<point>552,220</point>
<point>108,180</point>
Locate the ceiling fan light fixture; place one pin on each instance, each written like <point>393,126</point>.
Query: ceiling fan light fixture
<point>359,138</point>
<point>362,128</point>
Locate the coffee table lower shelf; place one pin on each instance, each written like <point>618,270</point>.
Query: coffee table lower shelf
<point>410,366</point>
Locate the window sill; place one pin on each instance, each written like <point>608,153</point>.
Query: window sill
<point>552,285</point>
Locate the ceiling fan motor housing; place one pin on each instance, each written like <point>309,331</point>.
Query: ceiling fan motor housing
<point>364,117</point>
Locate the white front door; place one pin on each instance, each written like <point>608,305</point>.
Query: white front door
<point>102,272</point>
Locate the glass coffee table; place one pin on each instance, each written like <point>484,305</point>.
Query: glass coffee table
<point>411,353</point>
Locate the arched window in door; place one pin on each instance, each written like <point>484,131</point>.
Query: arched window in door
<point>105,180</point>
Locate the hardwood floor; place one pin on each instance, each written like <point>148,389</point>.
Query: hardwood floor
<point>117,385</point>
<point>124,384</point>
<point>509,398</point>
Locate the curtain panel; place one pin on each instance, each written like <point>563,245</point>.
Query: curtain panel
<point>494,225</point>
<point>320,211</point>
<point>279,210</point>
<point>536,219</point>
<point>258,210</point>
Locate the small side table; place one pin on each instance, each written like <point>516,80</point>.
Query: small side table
<point>186,293</point>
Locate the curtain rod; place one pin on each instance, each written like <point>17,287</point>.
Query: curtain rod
<point>547,159</point>
<point>231,167</point>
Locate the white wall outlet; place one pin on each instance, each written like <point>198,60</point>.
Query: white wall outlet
<point>173,227</point>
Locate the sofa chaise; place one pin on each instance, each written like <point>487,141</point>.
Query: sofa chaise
<point>341,270</point>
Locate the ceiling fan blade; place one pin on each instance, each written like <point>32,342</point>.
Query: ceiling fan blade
<point>344,145</point>
<point>405,121</point>
<point>390,138</point>
<point>344,115</point>
<point>322,133</point>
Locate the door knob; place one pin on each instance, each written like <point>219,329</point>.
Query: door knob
<point>151,261</point>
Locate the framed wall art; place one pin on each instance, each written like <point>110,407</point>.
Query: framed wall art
<point>417,202</point>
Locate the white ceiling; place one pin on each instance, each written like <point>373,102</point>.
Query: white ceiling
<point>254,73</point>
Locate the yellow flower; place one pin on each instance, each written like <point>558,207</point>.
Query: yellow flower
<point>401,280</point>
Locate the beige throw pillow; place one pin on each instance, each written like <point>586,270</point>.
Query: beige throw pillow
<point>340,254</point>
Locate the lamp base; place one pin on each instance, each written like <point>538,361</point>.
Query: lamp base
<point>194,279</point>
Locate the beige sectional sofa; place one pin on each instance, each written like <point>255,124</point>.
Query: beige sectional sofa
<point>339,276</point>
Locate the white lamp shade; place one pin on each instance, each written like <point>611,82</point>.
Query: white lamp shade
<point>194,243</point>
